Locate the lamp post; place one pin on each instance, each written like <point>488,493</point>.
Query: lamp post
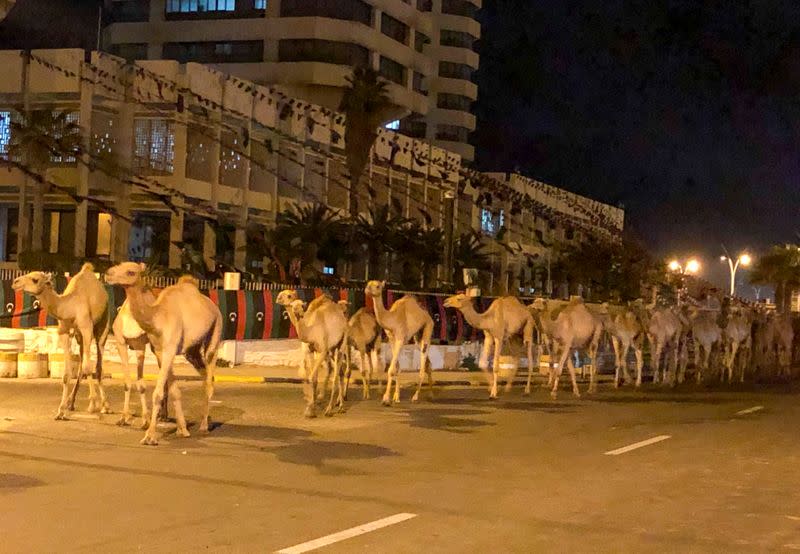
<point>690,267</point>
<point>743,259</point>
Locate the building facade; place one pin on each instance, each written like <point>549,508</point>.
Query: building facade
<point>423,48</point>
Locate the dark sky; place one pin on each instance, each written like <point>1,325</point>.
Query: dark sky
<point>686,112</point>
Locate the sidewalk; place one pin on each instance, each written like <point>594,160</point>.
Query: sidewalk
<point>258,374</point>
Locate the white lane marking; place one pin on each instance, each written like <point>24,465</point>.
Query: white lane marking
<point>346,534</point>
<point>750,410</point>
<point>636,445</point>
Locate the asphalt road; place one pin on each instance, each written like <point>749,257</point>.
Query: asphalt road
<point>514,475</point>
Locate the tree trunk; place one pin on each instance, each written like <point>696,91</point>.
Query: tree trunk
<point>23,221</point>
<point>37,231</point>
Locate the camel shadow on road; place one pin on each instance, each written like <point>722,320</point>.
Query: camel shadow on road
<point>319,454</point>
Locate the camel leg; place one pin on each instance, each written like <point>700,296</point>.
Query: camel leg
<point>165,371</point>
<point>392,374</point>
<point>557,371</point>
<point>140,386</point>
<point>656,359</point>
<point>323,390</point>
<point>483,360</point>
<point>732,359</point>
<point>309,387</point>
<point>626,347</point>
<point>348,370</point>
<point>86,361</point>
<point>122,350</point>
<point>424,370</point>
<point>210,358</point>
<point>498,345</point>
<point>571,367</point>
<point>334,367</point>
<point>698,368</point>
<point>73,395</point>
<point>63,340</point>
<point>637,350</point>
<point>366,373</point>
<point>530,364</point>
<point>744,357</point>
<point>177,405</point>
<point>616,344</point>
<point>101,342</point>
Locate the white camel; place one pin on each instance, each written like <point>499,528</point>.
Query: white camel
<point>625,328</point>
<point>663,327</point>
<point>363,335</point>
<point>505,317</point>
<point>405,320</point>
<point>738,340</point>
<point>82,309</point>
<point>706,334</point>
<point>181,321</point>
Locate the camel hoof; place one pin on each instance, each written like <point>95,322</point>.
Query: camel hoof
<point>526,392</point>
<point>124,421</point>
<point>61,416</point>
<point>106,410</point>
<point>415,398</point>
<point>576,394</point>
<point>149,440</point>
<point>553,395</point>
<point>386,401</point>
<point>310,412</point>
<point>182,433</point>
<point>328,412</point>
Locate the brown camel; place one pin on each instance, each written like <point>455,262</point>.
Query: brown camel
<point>82,309</point>
<point>706,334</point>
<point>180,321</point>
<point>405,320</point>
<point>505,317</point>
<point>664,330</point>
<point>627,332</point>
<point>322,328</point>
<point>574,328</point>
<point>363,334</point>
<point>129,335</point>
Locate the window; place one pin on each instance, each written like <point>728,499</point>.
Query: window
<point>449,101</point>
<point>420,40</point>
<point>125,11</point>
<point>240,51</point>
<point>327,270</point>
<point>463,8</point>
<point>452,133</point>
<point>394,28</point>
<point>393,125</point>
<point>193,6</point>
<point>453,70</point>
<point>325,51</point>
<point>459,39</point>
<point>131,51</point>
<point>424,5</point>
<point>260,4</point>
<point>71,119</point>
<point>419,83</point>
<point>5,132</point>
<point>154,148</point>
<point>491,222</point>
<point>393,71</point>
<point>414,126</point>
<point>351,10</point>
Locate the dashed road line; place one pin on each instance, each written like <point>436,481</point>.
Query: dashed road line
<point>636,445</point>
<point>347,534</point>
<point>750,410</point>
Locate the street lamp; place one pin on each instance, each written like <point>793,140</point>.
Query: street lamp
<point>743,259</point>
<point>691,267</point>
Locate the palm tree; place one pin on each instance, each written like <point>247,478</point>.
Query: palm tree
<point>422,251</point>
<point>41,138</point>
<point>364,103</point>
<point>469,251</point>
<point>780,268</point>
<point>381,233</point>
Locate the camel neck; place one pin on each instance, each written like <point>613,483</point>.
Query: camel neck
<point>141,309</point>
<point>472,316</point>
<point>381,313</point>
<point>296,322</point>
<point>51,302</point>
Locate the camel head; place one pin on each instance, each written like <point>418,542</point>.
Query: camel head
<point>375,288</point>
<point>126,274</point>
<point>298,308</point>
<point>539,304</point>
<point>286,297</point>
<point>458,301</point>
<point>34,282</point>
<point>344,305</point>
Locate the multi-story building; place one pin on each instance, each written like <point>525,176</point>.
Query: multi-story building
<point>423,48</point>
<point>195,145</point>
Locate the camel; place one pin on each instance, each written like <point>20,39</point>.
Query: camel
<point>574,328</point>
<point>128,334</point>
<point>82,309</point>
<point>627,332</point>
<point>322,327</point>
<point>180,321</point>
<point>706,334</point>
<point>363,334</point>
<point>774,337</point>
<point>737,338</point>
<point>664,328</point>
<point>405,320</point>
<point>505,317</point>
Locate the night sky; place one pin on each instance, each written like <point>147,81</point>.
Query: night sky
<point>685,112</point>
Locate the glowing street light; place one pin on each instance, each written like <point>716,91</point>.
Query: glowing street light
<point>742,259</point>
<point>691,267</point>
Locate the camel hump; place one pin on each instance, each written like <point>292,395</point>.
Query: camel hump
<point>189,280</point>
<point>88,266</point>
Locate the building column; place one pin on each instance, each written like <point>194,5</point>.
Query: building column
<point>175,235</point>
<point>82,209</point>
<point>120,228</point>
<point>240,235</point>
<point>23,222</point>
<point>209,235</point>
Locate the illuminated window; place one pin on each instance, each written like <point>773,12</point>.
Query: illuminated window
<point>260,4</point>
<point>103,234</point>
<point>5,132</point>
<point>491,222</point>
<point>191,6</point>
<point>327,270</point>
<point>155,145</point>
<point>393,125</point>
